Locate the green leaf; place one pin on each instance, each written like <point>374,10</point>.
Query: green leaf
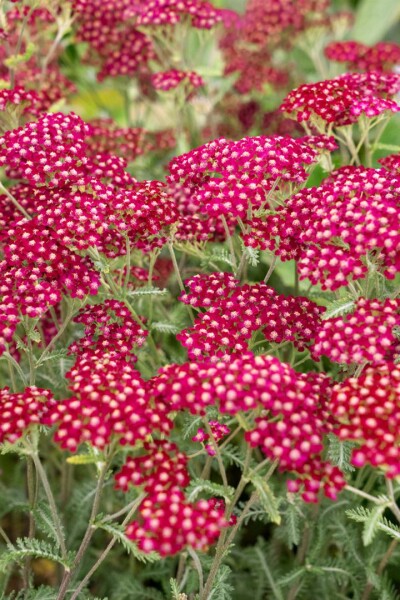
<point>166,327</point>
<point>338,308</point>
<point>267,499</point>
<point>374,19</point>
<point>149,291</point>
<point>118,532</point>
<point>25,547</point>
<point>252,255</point>
<point>199,486</point>
<point>339,453</point>
<point>372,523</point>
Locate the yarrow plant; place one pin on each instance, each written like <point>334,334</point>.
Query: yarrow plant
<point>199,302</point>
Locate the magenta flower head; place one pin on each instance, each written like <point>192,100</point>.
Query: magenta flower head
<point>368,410</point>
<point>342,100</point>
<point>49,151</point>
<point>226,177</point>
<point>19,411</point>
<point>334,231</point>
<point>383,56</point>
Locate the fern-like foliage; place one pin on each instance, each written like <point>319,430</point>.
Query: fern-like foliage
<point>26,547</point>
<point>201,486</point>
<point>339,453</point>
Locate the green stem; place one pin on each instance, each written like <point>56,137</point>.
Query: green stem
<point>105,553</point>
<point>52,504</point>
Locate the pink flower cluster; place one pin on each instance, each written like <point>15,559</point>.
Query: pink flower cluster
<point>167,521</point>
<point>48,151</point>
<point>342,100</point>
<point>109,329</point>
<point>367,334</point>
<point>35,271</point>
<point>109,400</point>
<point>19,411</point>
<point>330,230</point>
<point>226,177</point>
<point>168,80</point>
<point>294,407</point>
<point>234,313</point>
<point>368,408</point>
<point>383,56</point>
<point>202,14</point>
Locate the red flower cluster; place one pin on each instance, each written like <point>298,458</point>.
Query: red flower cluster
<point>267,20</point>
<point>109,400</point>
<point>235,313</point>
<point>295,414</point>
<point>226,177</point>
<point>116,45</point>
<point>19,411</point>
<point>109,329</point>
<point>35,271</point>
<point>342,100</point>
<point>364,335</point>
<point>368,408</point>
<point>331,229</point>
<point>167,521</point>
<point>391,163</point>
<point>48,151</point>
<point>203,14</point>
<point>168,80</point>
<point>383,56</point>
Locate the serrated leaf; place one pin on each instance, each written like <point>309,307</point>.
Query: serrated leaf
<point>166,327</point>
<point>252,255</point>
<point>338,308</point>
<point>267,499</point>
<point>25,547</point>
<point>371,524</point>
<point>147,292</point>
<point>339,453</point>
<point>199,486</point>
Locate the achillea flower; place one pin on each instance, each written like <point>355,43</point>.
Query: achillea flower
<point>28,99</point>
<point>106,138</point>
<point>161,468</point>
<point>168,522</point>
<point>203,14</point>
<point>109,401</point>
<point>115,44</point>
<point>229,176</point>
<point>35,271</point>
<point>48,151</point>
<point>235,313</point>
<point>268,20</point>
<point>383,56</point>
<point>368,409</point>
<point>109,327</point>
<point>19,411</point>
<point>342,100</point>
<point>168,80</point>
<point>391,163</point>
<point>143,214</point>
<point>294,410</point>
<point>330,230</point>
<point>364,335</point>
